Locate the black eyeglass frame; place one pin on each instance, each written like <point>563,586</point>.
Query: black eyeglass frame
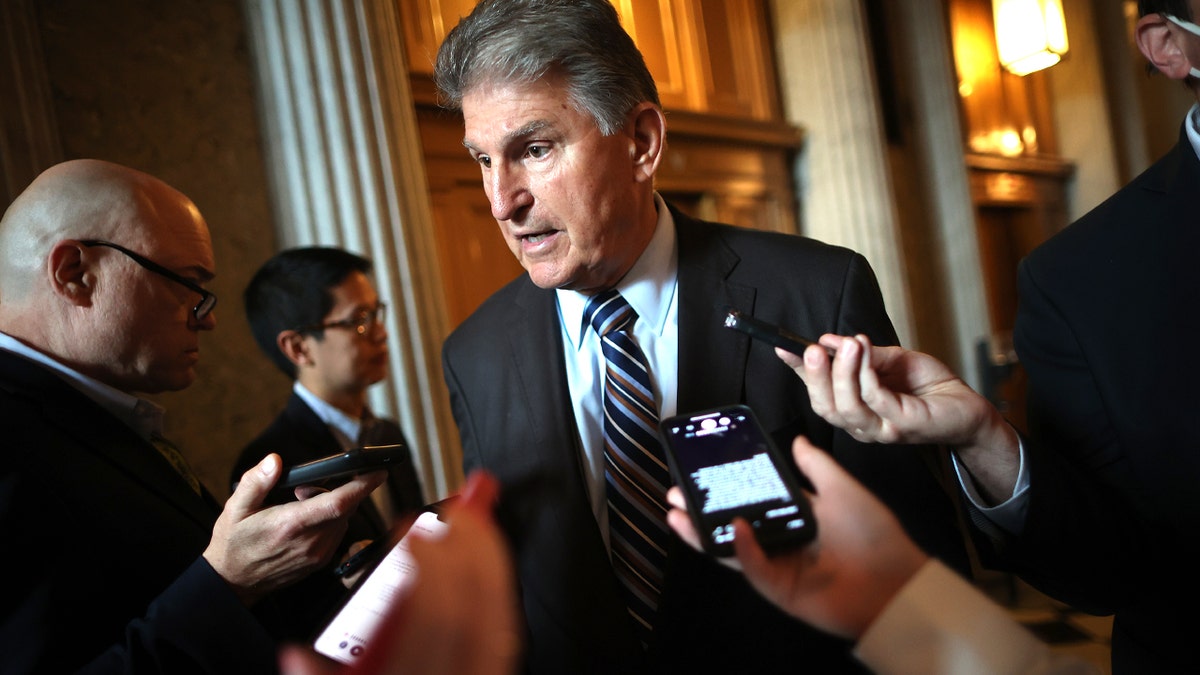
<point>360,323</point>
<point>208,299</point>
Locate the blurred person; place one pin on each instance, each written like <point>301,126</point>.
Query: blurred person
<point>120,559</point>
<point>315,313</point>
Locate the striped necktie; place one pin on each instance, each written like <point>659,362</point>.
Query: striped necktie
<point>635,474</point>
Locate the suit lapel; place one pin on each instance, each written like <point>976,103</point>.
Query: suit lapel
<point>705,295</point>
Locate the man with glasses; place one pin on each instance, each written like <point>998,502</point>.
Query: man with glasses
<point>315,313</point>
<point>118,558</point>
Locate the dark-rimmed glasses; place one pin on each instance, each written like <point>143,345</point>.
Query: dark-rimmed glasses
<point>208,299</point>
<point>359,323</point>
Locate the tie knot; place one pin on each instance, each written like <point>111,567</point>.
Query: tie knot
<point>608,311</point>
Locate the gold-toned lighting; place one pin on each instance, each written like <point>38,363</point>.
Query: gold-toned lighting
<point>1030,34</point>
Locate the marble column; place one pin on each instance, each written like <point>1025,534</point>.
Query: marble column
<point>345,165</point>
<point>938,131</point>
<point>843,184</point>
<point>845,188</point>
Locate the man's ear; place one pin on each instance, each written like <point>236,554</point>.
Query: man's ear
<point>1159,42</point>
<point>293,346</point>
<point>649,132</point>
<point>71,276</point>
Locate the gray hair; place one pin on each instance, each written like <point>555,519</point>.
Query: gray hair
<point>521,41</point>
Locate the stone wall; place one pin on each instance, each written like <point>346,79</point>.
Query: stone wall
<point>167,87</point>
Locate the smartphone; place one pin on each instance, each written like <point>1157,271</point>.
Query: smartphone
<point>370,554</point>
<point>770,333</point>
<point>728,467</point>
<point>353,461</point>
<point>345,637</point>
<point>360,559</point>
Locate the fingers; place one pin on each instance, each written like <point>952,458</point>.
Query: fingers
<point>675,498</point>
<point>336,503</point>
<point>835,383</point>
<point>814,463</point>
<point>481,493</point>
<point>855,388</point>
<point>252,489</point>
<point>679,521</point>
<point>750,556</point>
<point>303,492</point>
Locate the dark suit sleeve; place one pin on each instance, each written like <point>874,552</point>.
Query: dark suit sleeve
<point>76,584</point>
<point>196,625</point>
<point>1080,538</point>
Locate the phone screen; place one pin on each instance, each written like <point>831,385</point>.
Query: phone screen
<point>347,635</point>
<point>728,467</point>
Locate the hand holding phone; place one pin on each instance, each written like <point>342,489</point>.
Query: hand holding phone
<point>728,467</point>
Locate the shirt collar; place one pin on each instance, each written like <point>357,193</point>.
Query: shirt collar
<point>333,418</point>
<point>648,287</point>
<point>143,416</point>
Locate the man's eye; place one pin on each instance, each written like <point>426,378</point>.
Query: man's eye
<point>537,151</point>
<point>484,161</point>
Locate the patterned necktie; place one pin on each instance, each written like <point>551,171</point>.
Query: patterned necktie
<point>636,477</point>
<point>175,458</point>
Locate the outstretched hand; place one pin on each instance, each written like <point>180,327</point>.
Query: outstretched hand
<point>889,394</point>
<point>844,578</point>
<point>895,395</point>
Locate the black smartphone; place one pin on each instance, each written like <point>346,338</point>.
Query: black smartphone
<point>727,467</point>
<point>370,554</point>
<point>360,559</point>
<point>770,333</point>
<point>356,460</point>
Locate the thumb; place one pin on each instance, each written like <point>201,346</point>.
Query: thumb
<point>252,489</point>
<point>814,463</point>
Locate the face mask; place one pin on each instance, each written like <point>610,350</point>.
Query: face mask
<point>1189,27</point>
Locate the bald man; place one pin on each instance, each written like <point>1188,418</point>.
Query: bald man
<point>116,558</point>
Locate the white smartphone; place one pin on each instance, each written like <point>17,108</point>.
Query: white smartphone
<point>346,636</point>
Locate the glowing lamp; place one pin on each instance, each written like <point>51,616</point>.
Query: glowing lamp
<point>1030,34</point>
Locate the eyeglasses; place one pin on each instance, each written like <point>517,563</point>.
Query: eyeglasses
<point>208,299</point>
<point>361,322</point>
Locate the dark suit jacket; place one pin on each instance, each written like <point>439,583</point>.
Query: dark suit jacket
<point>299,436</point>
<point>1107,331</point>
<point>508,389</point>
<point>102,543</point>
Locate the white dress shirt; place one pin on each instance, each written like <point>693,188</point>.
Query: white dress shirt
<point>651,289</point>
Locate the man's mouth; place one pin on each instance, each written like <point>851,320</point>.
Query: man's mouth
<point>537,238</point>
